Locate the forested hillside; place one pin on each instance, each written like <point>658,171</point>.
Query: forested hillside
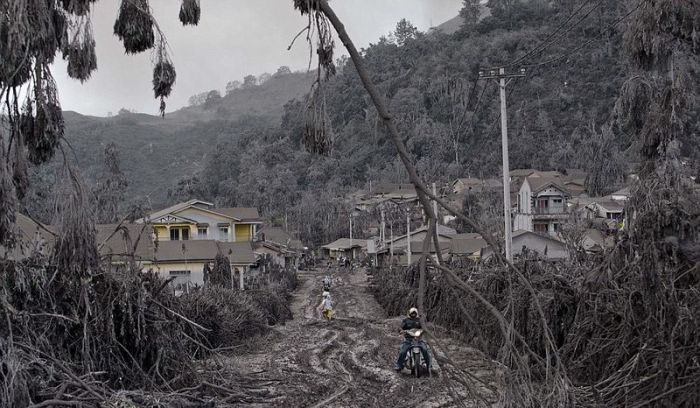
<point>247,148</point>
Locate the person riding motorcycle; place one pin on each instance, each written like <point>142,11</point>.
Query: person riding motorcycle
<point>409,323</point>
<point>327,281</point>
<point>326,306</point>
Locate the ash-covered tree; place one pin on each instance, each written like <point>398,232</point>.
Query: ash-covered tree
<point>33,33</point>
<point>283,70</point>
<point>603,163</point>
<point>220,274</point>
<point>249,81</point>
<point>108,194</point>
<point>232,86</point>
<point>404,31</point>
<point>212,100</point>
<point>470,12</point>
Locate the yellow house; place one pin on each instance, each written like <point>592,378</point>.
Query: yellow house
<point>200,220</point>
<point>181,261</point>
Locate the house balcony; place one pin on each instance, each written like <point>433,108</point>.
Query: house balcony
<point>558,210</point>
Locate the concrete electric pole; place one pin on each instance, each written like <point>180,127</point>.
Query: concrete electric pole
<point>501,75</point>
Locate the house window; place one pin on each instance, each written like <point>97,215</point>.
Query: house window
<point>177,234</point>
<point>223,232</point>
<point>613,216</point>
<point>542,203</point>
<point>555,227</point>
<point>202,232</point>
<point>540,227</point>
<point>557,201</point>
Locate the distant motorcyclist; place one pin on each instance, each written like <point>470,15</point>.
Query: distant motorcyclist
<point>409,323</point>
<point>327,281</point>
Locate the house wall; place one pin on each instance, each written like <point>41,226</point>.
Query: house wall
<point>524,203</point>
<point>236,232</point>
<point>523,217</point>
<point>205,217</point>
<point>244,232</point>
<point>522,222</point>
<point>196,275</point>
<point>552,194</point>
<point>162,231</point>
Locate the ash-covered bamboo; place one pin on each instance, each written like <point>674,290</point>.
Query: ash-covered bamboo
<point>190,11</point>
<point>134,26</point>
<point>163,76</point>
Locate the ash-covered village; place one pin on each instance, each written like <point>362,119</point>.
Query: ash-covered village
<point>453,203</point>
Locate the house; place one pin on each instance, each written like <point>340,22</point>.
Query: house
<point>444,234</point>
<point>182,260</point>
<point>278,236</point>
<point>277,245</point>
<point>185,260</point>
<point>545,246</point>
<point>200,220</point>
<point>541,205</point>
<point>343,247</point>
<point>606,208</point>
<point>575,186</point>
<point>393,189</point>
<point>622,194</point>
<point>517,176</point>
<point>399,246</point>
<point>417,251</point>
<point>276,254</point>
<point>467,246</point>
<point>475,185</point>
<point>31,237</point>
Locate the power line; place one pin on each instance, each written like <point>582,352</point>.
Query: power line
<point>572,51</point>
<point>551,38</point>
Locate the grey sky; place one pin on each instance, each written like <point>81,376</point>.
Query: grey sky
<point>234,38</point>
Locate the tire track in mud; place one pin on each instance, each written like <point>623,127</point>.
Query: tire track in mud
<point>346,362</point>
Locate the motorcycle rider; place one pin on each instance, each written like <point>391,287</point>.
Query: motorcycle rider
<point>409,323</point>
<point>326,306</point>
<point>327,281</point>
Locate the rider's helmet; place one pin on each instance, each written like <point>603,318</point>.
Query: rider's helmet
<point>413,312</point>
<point>326,293</point>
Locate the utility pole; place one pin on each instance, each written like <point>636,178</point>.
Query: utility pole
<point>408,237</point>
<point>435,206</point>
<point>501,76</point>
<point>391,240</point>
<point>382,234</point>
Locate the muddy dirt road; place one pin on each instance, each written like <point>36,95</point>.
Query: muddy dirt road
<point>347,362</point>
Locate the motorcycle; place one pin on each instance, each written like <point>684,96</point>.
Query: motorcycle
<point>414,357</point>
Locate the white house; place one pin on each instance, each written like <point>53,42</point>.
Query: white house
<point>541,205</point>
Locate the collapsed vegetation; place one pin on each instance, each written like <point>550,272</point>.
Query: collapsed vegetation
<point>71,332</point>
<point>74,329</point>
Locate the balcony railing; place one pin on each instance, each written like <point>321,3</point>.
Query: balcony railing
<point>549,210</point>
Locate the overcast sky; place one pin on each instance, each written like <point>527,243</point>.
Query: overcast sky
<point>234,38</point>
